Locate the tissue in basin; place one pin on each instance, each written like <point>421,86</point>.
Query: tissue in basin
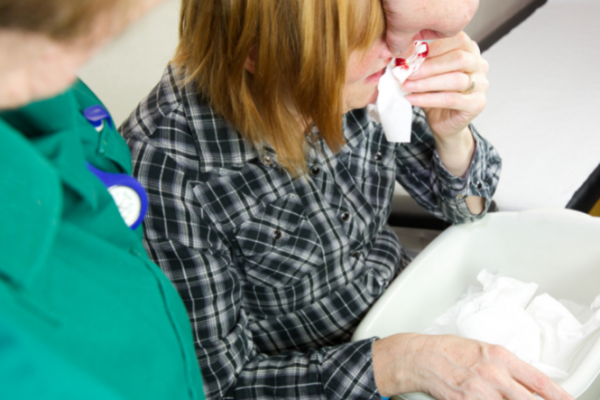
<point>558,249</point>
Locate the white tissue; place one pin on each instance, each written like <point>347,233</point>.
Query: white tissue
<point>392,109</point>
<point>563,336</point>
<point>543,332</point>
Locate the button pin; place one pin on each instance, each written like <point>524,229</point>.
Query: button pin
<point>96,115</point>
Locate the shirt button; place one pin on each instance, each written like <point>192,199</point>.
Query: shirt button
<point>267,160</point>
<point>315,170</point>
<point>277,234</point>
<point>479,185</point>
<point>345,216</point>
<point>378,156</point>
<point>356,254</point>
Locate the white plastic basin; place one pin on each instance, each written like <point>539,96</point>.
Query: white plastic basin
<point>558,249</point>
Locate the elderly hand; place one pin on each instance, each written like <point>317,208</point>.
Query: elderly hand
<point>454,368</point>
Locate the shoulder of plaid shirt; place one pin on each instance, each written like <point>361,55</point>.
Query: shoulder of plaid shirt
<point>276,272</point>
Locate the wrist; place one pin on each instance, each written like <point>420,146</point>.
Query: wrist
<point>456,151</point>
<point>393,364</point>
<point>457,139</point>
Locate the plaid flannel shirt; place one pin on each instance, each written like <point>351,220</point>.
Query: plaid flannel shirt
<point>276,272</point>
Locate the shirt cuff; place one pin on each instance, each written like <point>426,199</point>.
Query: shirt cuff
<point>348,372</point>
<point>454,190</point>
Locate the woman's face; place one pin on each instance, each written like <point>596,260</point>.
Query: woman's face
<point>363,73</point>
<point>34,67</point>
<point>412,20</point>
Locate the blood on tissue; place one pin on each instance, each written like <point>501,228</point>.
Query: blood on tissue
<point>401,62</point>
<point>425,52</point>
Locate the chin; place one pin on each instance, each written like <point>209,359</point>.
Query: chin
<point>371,99</point>
<point>363,101</point>
<point>374,96</point>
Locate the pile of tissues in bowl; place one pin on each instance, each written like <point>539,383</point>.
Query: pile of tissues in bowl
<point>552,335</point>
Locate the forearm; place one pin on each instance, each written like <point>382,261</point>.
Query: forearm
<point>425,175</point>
<point>456,154</point>
<point>466,197</point>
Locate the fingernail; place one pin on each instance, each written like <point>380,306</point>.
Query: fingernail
<point>395,51</point>
<point>409,85</point>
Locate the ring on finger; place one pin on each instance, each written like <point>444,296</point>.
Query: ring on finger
<point>471,84</point>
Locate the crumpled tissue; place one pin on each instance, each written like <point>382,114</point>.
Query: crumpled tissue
<point>392,109</point>
<point>551,335</point>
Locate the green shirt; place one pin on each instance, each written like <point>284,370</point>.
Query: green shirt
<point>31,370</point>
<point>74,279</point>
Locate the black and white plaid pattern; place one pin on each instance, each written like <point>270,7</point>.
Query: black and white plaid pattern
<point>276,272</point>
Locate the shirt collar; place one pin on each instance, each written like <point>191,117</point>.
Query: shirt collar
<point>51,126</point>
<point>220,143</point>
<point>31,207</point>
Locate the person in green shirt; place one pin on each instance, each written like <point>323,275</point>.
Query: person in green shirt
<point>84,314</point>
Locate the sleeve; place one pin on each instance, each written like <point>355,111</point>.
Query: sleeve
<point>192,252</point>
<point>421,172</point>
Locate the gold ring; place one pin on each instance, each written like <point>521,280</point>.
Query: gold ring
<point>471,84</point>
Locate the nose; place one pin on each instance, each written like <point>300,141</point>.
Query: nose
<point>400,45</point>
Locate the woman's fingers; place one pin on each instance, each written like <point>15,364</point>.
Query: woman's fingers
<point>535,381</point>
<point>441,86</point>
<point>457,60</point>
<point>513,390</point>
<point>450,82</point>
<point>521,380</point>
<point>459,41</point>
<point>454,368</point>
<point>472,103</point>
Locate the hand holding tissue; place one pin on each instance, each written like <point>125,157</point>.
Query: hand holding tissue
<point>550,335</point>
<point>392,109</point>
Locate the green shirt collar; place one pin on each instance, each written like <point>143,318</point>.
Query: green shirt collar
<point>31,207</point>
<point>51,126</point>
